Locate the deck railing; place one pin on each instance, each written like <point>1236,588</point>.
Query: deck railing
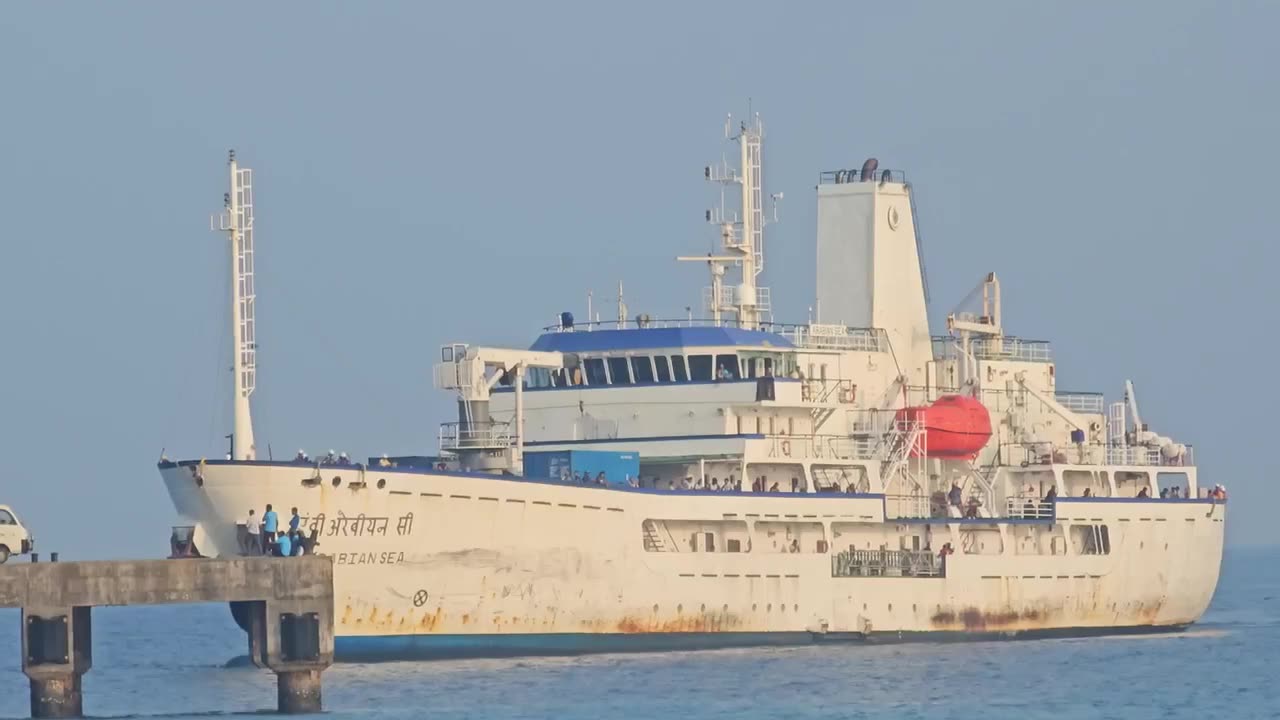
<point>820,447</point>
<point>455,436</point>
<point>1093,454</point>
<point>807,335</point>
<point>1086,403</point>
<point>1029,508</point>
<point>886,563</point>
<point>1004,348</point>
<point>907,506</point>
<point>875,174</point>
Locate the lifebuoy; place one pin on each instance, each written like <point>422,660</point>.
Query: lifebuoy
<point>786,448</point>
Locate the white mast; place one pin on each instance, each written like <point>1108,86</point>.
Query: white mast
<point>741,238</point>
<point>237,222</point>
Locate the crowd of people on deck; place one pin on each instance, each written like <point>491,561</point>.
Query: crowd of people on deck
<point>264,536</point>
<point>1034,502</point>
<point>599,479</point>
<point>330,458</point>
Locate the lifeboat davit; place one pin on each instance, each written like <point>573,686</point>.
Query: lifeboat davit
<point>953,426</point>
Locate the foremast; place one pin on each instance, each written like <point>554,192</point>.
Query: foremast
<point>236,221</point>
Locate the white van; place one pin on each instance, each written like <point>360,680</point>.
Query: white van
<point>14,539</point>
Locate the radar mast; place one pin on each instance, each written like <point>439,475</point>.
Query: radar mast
<point>236,220</point>
<point>741,233</point>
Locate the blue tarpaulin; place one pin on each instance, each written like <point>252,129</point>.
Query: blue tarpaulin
<point>583,466</point>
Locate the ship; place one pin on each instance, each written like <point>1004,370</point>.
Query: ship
<point>644,484</point>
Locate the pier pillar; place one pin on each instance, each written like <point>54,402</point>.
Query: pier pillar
<point>298,691</point>
<point>284,604</point>
<point>57,649</point>
<point>57,696</point>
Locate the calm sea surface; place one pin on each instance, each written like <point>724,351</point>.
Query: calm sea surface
<point>168,662</point>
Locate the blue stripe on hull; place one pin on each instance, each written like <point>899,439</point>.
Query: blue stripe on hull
<point>374,648</point>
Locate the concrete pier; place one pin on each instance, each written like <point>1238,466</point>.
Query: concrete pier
<point>288,603</point>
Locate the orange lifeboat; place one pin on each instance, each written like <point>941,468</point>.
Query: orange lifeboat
<point>954,426</point>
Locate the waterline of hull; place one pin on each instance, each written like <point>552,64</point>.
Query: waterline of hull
<point>392,648</point>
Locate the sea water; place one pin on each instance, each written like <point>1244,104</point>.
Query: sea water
<point>170,662</point>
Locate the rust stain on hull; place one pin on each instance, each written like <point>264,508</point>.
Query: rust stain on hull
<point>1011,619</point>
<point>695,623</point>
<point>972,619</point>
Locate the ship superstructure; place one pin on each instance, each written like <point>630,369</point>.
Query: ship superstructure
<point>645,483</point>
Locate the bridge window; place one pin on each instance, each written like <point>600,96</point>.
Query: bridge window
<point>727,367</point>
<point>755,366</point>
<point>641,369</point>
<point>1091,539</point>
<point>664,370</point>
<point>618,371</point>
<point>1171,482</point>
<point>700,368</point>
<point>678,372</point>
<point>537,378</point>
<point>595,371</point>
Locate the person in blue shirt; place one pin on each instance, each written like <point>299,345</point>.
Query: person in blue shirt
<point>294,521</point>
<point>284,546</point>
<point>270,526</point>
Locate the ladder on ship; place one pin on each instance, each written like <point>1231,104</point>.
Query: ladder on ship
<point>904,455</point>
<point>244,276</point>
<point>904,443</point>
<point>652,543</point>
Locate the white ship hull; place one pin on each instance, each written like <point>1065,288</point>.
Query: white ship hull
<point>449,564</point>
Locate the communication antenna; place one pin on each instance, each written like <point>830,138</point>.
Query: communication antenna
<point>742,235</point>
<point>236,220</point>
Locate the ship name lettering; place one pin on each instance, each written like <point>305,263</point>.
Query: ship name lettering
<point>405,526</point>
<point>369,558</point>
<point>357,526</point>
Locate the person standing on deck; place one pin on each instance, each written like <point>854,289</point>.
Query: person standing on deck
<point>294,521</point>
<point>254,534</point>
<point>270,526</point>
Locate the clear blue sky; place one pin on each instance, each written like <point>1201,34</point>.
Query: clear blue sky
<point>434,172</point>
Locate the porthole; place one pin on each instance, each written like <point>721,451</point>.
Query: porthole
<point>382,483</point>
<point>337,481</point>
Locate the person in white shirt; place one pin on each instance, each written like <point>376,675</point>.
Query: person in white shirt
<point>254,528</point>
